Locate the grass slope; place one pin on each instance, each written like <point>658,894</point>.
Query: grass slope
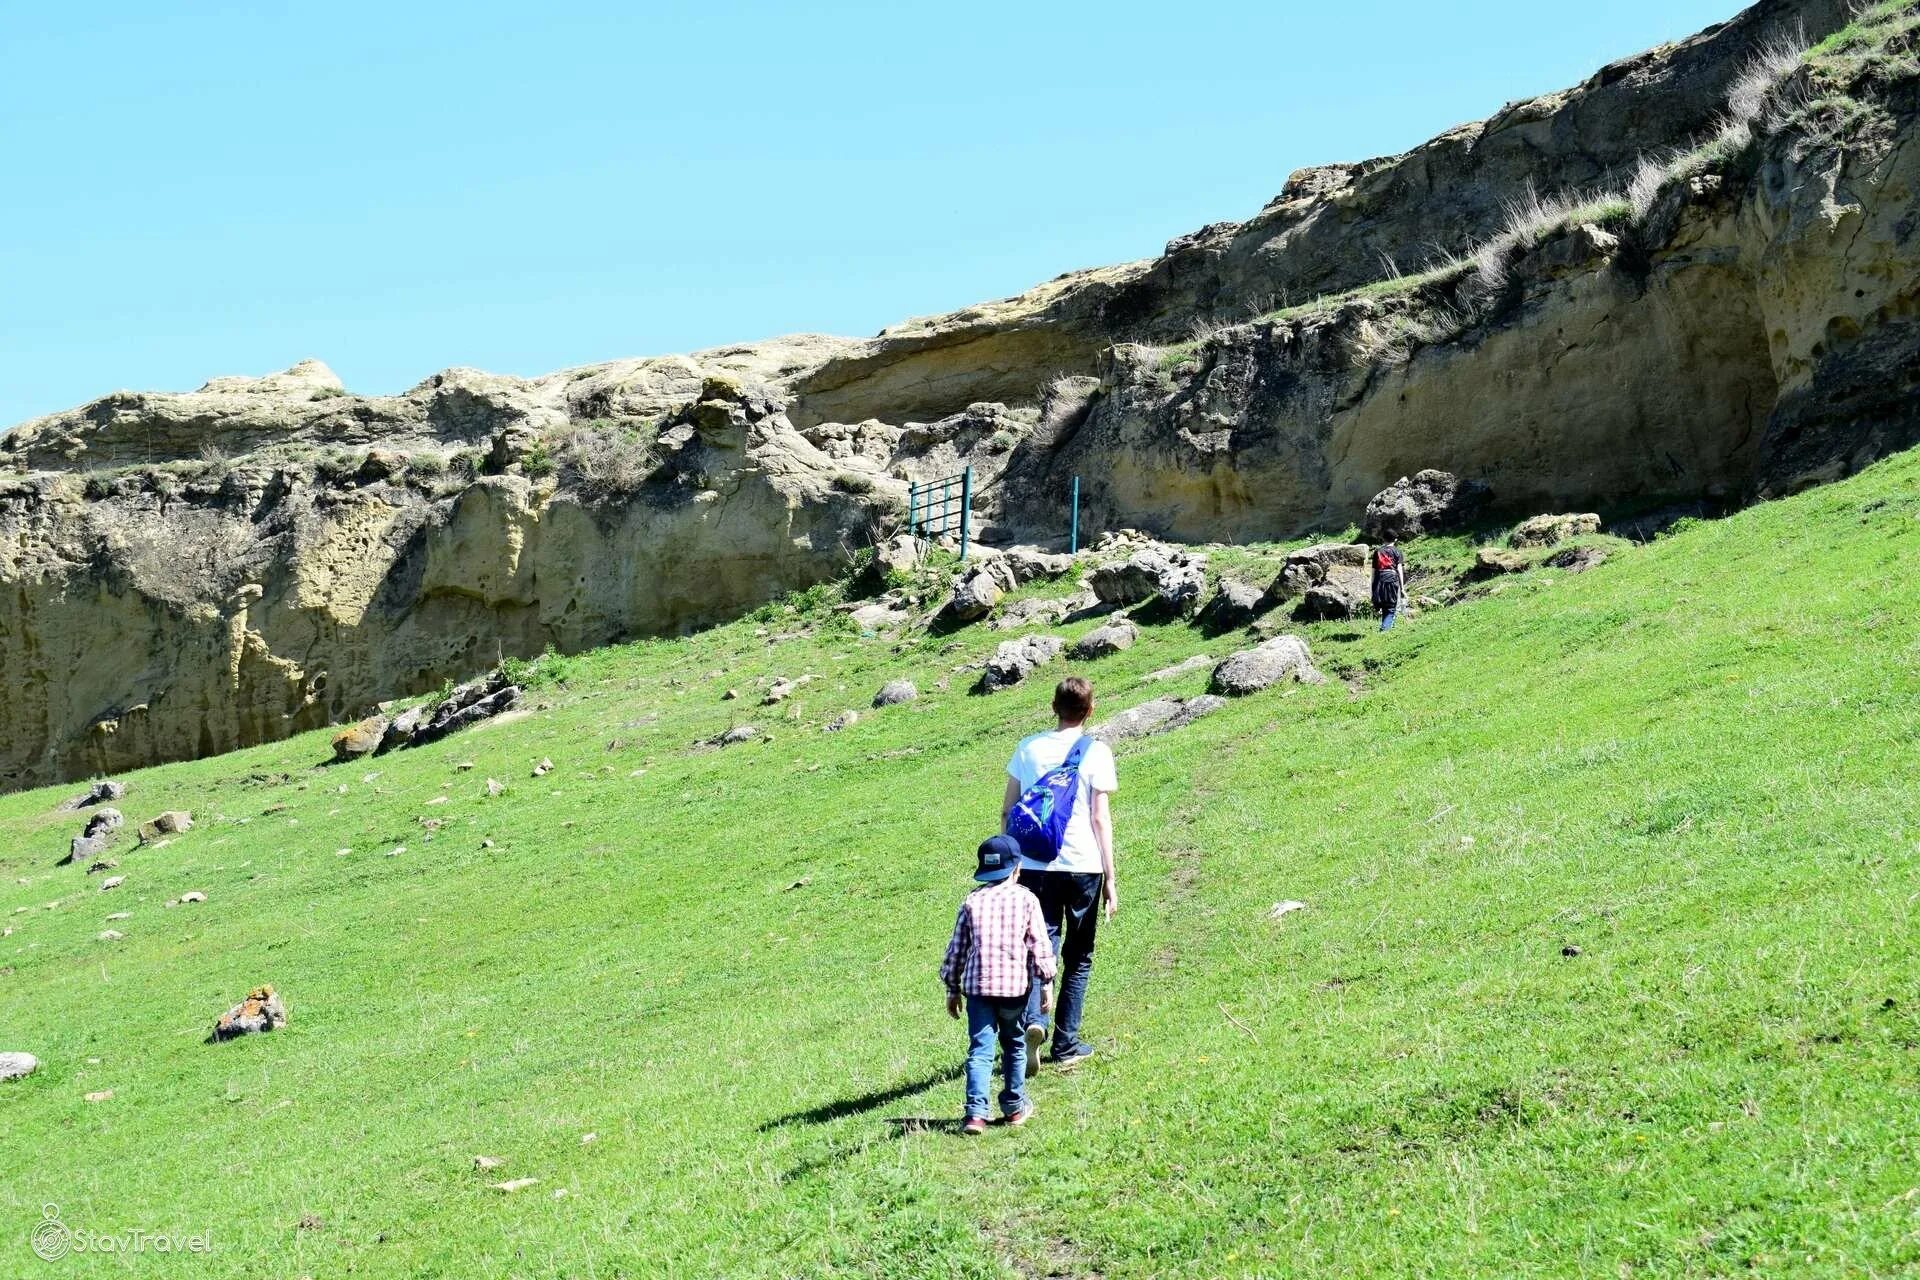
<point>1694,763</point>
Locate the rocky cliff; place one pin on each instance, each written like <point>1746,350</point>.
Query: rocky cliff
<point>1692,276</point>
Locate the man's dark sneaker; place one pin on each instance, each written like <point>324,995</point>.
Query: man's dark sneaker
<point>1036,1036</point>
<point>1073,1057</point>
<point>975,1126</point>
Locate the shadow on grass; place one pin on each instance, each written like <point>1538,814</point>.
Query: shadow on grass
<point>827,1111</point>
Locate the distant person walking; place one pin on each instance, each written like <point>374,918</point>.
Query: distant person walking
<point>1078,884</point>
<point>999,957</point>
<point>1389,583</point>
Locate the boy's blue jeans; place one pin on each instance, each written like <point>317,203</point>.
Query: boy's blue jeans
<point>991,1021</point>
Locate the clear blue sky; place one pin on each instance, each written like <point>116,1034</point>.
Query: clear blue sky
<point>202,188</point>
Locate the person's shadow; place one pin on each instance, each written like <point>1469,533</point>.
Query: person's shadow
<point>828,1111</point>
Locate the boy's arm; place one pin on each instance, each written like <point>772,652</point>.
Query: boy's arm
<point>1103,836</point>
<point>956,962</point>
<point>1007,801</point>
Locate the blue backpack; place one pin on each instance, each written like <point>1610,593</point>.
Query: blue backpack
<point>1039,817</point>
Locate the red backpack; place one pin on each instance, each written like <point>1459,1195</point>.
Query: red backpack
<point>1385,560</point>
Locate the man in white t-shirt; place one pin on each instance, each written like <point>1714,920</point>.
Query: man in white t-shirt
<point>1077,886</point>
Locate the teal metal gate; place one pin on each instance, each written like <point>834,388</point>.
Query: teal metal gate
<point>942,507</point>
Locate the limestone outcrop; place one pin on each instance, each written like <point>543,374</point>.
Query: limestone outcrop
<point>263,556</point>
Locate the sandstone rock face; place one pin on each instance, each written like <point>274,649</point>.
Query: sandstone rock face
<point>269,555</point>
<point>1548,531</point>
<point>1251,670</point>
<point>1428,502</point>
<point>1014,660</point>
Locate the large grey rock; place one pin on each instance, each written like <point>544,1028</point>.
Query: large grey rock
<point>1109,638</point>
<point>1251,670</point>
<point>1176,577</point>
<point>467,705</point>
<point>1428,502</point>
<point>1029,564</point>
<point>974,596</point>
<point>876,616</point>
<point>1551,530</point>
<point>1330,603</point>
<point>1043,612</point>
<point>1186,666</point>
<point>895,692</point>
<point>103,822</point>
<point>170,823</point>
<point>85,849</point>
<point>1161,715</point>
<point>15,1065</point>
<point>99,793</point>
<point>1015,660</point>
<point>1234,605</point>
<point>1342,565</point>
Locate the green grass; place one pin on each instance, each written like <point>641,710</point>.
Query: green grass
<point>1694,763</point>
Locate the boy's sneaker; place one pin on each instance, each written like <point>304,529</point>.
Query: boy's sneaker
<point>1036,1036</point>
<point>1073,1057</point>
<point>1020,1117</point>
<point>975,1126</point>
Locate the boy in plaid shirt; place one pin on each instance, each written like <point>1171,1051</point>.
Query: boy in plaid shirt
<point>998,950</point>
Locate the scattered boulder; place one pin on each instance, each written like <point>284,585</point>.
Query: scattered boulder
<point>361,739</point>
<point>779,691</point>
<point>84,849</point>
<point>1161,715</point>
<point>486,1164</point>
<point>1283,909</point>
<point>1026,613</point>
<point>104,822</point>
<point>730,695</point>
<point>1577,559</point>
<point>193,895</point>
<point>1111,638</point>
<point>1178,578</point>
<point>974,596</point>
<point>1341,566</point>
<point>170,823</point>
<point>1550,531</point>
<point>897,557</point>
<point>495,788</point>
<point>1030,564</point>
<point>1429,502</point>
<point>1234,605</point>
<point>260,1012</point>
<point>732,737</point>
<point>512,1185</point>
<point>112,882</point>
<point>110,935</point>
<point>1185,666</point>
<point>102,791</point>
<point>1251,670</point>
<point>846,719</point>
<point>1491,562</point>
<point>98,1095</point>
<point>543,768</point>
<point>15,1065</point>
<point>876,616</point>
<point>1329,604</point>
<point>895,692</point>
<point>468,704</point>
<point>102,864</point>
<point>1015,660</point>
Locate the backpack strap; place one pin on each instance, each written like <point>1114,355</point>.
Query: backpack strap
<point>1079,752</point>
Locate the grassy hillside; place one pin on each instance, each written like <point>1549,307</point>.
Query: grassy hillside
<point>1694,763</point>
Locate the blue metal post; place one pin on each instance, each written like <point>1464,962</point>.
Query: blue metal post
<point>966,510</point>
<point>1073,538</point>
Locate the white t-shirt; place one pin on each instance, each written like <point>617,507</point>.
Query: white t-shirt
<point>1044,751</point>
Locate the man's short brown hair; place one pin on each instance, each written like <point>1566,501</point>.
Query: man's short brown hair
<point>1073,699</point>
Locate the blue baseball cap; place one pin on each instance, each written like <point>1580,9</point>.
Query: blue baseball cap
<point>999,858</point>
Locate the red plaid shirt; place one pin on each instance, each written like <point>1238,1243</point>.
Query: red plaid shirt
<point>999,944</point>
